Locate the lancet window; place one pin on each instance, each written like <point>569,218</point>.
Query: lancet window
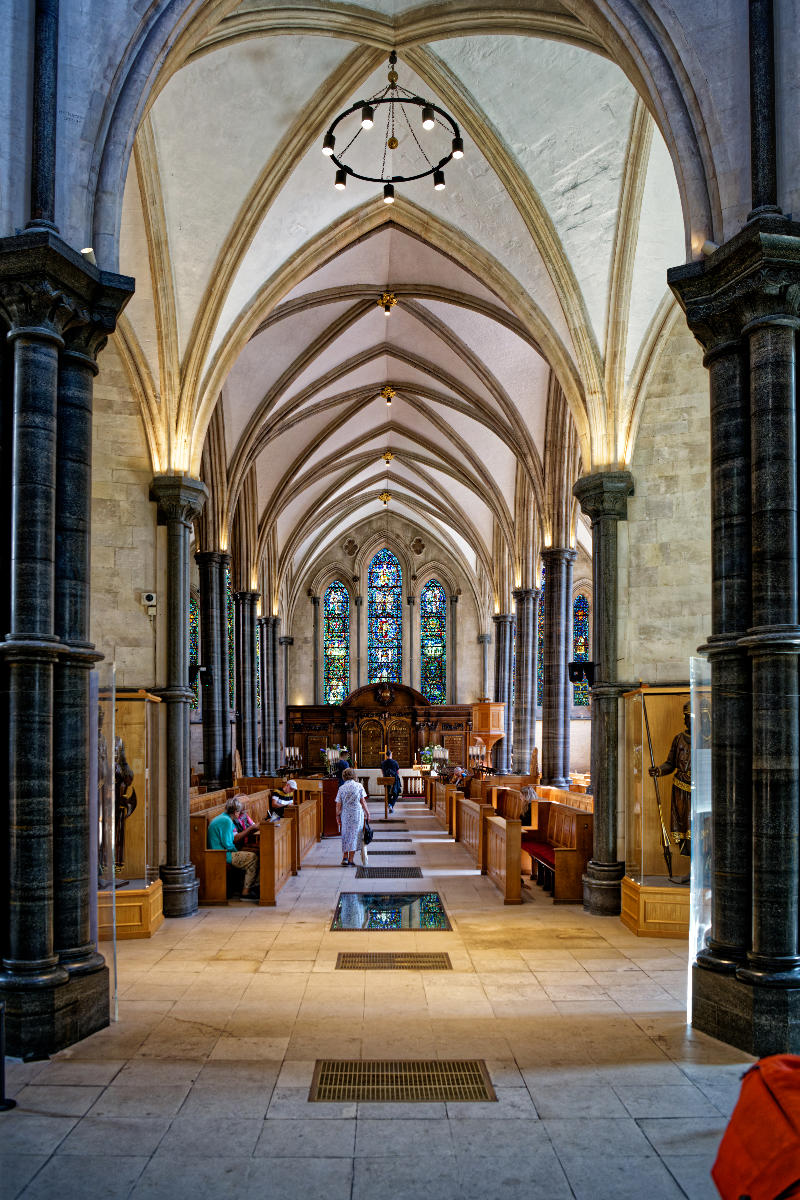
<point>385,618</point>
<point>433,642</point>
<point>336,643</point>
<point>580,645</point>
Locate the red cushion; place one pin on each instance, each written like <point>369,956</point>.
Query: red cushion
<point>540,850</point>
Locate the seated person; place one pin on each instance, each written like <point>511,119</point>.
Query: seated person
<point>528,796</point>
<point>245,824</point>
<point>280,797</point>
<point>460,778</point>
<point>223,835</point>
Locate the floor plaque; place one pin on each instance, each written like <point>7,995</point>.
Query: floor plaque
<point>386,912</point>
<point>391,1081</point>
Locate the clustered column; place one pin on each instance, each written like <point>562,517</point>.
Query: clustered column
<point>452,668</point>
<point>59,312</point>
<point>743,305</point>
<point>525,681</point>
<point>316,656</point>
<point>411,640</point>
<point>270,748</point>
<point>557,646</point>
<point>503,686</point>
<point>244,607</point>
<point>359,607</point>
<point>484,641</point>
<point>214,657</point>
<point>603,497</point>
<point>180,499</point>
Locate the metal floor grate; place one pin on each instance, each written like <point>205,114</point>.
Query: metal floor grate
<point>388,821</point>
<point>404,1082</point>
<point>388,873</point>
<point>409,960</point>
<point>392,852</point>
<point>391,840</point>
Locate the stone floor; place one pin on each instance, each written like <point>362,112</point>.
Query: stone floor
<point>200,1090</point>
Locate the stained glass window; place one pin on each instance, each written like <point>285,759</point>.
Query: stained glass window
<point>336,643</point>
<point>433,642</point>
<point>540,644</point>
<point>229,613</point>
<point>194,646</point>
<point>385,618</point>
<point>580,645</point>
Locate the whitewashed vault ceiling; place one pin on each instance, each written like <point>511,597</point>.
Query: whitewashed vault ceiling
<point>545,257</point>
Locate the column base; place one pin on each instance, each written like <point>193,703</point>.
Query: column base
<point>181,887</point>
<point>40,1022</point>
<point>558,781</point>
<point>83,961</point>
<point>720,958</point>
<point>758,1020</point>
<point>602,888</point>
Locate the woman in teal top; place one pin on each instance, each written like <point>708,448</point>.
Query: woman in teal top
<point>223,835</point>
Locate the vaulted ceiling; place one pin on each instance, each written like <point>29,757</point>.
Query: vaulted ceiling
<point>538,272</point>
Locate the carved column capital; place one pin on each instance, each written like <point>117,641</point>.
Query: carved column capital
<point>603,495</point>
<point>179,497</point>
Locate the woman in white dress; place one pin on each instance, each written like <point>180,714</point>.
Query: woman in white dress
<point>351,812</point>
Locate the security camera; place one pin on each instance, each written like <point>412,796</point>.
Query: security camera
<point>149,599</point>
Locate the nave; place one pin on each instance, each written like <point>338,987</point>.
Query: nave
<point>201,1088</point>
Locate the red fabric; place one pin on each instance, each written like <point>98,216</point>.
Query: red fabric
<point>759,1155</point>
<point>539,850</point>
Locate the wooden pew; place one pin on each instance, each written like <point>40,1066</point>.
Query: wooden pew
<point>501,856</point>
<point>560,848</point>
<point>277,859</point>
<point>582,800</point>
<point>306,819</point>
<point>430,785</point>
<point>469,826</point>
<point>211,866</point>
<point>444,802</point>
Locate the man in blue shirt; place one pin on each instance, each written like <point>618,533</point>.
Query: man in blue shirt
<point>391,769</point>
<point>341,766</point>
<point>223,835</point>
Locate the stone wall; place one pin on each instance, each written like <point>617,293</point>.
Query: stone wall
<point>665,545</point>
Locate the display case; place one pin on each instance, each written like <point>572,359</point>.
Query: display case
<point>700,886</point>
<point>655,892</point>
<point>129,814</point>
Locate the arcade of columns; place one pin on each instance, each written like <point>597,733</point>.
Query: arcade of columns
<point>743,305</point>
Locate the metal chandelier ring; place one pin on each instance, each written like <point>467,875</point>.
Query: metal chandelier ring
<point>420,103</point>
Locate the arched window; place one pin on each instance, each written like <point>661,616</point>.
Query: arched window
<point>385,618</point>
<point>229,613</point>
<point>433,642</point>
<point>580,645</point>
<point>194,647</point>
<point>540,644</point>
<point>336,643</point>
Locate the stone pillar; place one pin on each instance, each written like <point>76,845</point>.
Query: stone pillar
<point>603,497</point>
<point>359,603</point>
<point>265,715</point>
<point>45,109</point>
<point>484,640</point>
<point>557,646</point>
<point>525,682</point>
<point>452,667</point>
<point>269,695</point>
<point>75,874</point>
<point>410,601</point>
<point>214,657</point>
<point>180,499</point>
<point>58,311</point>
<point>224,687</point>
<point>774,645</point>
<point>503,641</point>
<point>246,711</point>
<point>316,654</point>
<point>285,642</point>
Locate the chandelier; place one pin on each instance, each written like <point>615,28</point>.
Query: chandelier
<point>398,103</point>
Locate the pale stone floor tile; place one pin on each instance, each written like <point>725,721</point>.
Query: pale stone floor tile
<point>306,1139</point>
<point>681,1135</point>
<point>574,1099</point>
<point>64,1072</point>
<point>292,1103</point>
<point>191,1137</point>
<point>405,1178</point>
<point>693,1173</point>
<point>58,1100</point>
<point>140,1100</point>
<point>162,1072</point>
<point>596,1176</point>
<point>201,1179</point>
<point>114,1136</point>
<point>88,1176</point>
<point>403,1137</point>
<point>26,1133</point>
<point>665,1100</point>
<point>16,1170</point>
<point>526,1173</point>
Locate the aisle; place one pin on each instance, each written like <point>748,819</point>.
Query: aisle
<point>202,1088</point>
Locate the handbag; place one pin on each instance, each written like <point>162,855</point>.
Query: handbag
<point>368,834</point>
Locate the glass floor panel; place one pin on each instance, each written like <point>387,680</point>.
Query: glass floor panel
<point>387,912</point>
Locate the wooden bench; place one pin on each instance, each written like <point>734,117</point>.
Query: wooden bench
<point>560,848</point>
<point>582,800</point>
<point>501,855</point>
<point>444,803</point>
<point>276,861</point>
<point>469,826</point>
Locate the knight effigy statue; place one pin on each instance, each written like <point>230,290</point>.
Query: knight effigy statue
<point>124,800</point>
<point>678,763</point>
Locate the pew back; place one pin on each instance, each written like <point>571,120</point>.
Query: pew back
<point>501,856</point>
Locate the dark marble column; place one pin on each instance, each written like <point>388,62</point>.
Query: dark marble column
<point>410,601</point>
<point>484,640</point>
<point>180,499</point>
<point>525,683</point>
<point>316,648</point>
<point>774,646</point>
<point>266,711</point>
<point>270,627</point>
<point>284,641</point>
<point>45,108</point>
<point>246,729</point>
<point>763,139</point>
<point>603,497</point>
<point>503,643</point>
<point>212,653</point>
<point>74,872</point>
<point>452,667</point>
<point>359,603</point>
<point>224,682</point>
<point>557,647</point>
